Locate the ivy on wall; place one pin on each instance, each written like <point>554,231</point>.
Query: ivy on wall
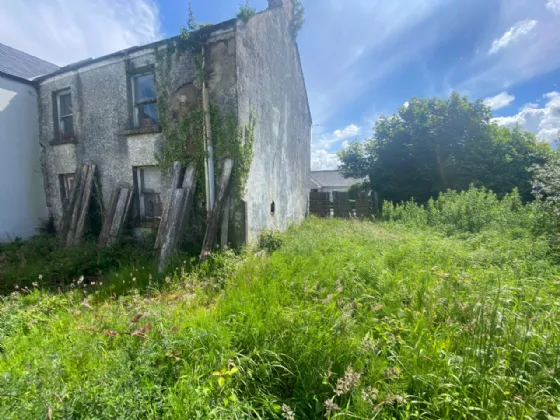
<point>184,131</point>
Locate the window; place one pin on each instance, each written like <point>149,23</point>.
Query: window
<point>148,181</point>
<point>64,120</point>
<point>144,98</point>
<point>66,182</point>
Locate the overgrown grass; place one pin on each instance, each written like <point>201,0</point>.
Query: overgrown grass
<point>43,261</point>
<point>346,318</point>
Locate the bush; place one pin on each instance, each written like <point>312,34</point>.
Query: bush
<point>471,211</point>
<point>270,241</point>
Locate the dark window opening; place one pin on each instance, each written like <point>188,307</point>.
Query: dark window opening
<point>272,208</point>
<point>148,184</point>
<point>144,98</point>
<point>66,182</point>
<point>63,116</point>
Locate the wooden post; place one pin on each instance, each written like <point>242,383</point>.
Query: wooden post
<point>175,182</point>
<point>225,224</point>
<point>214,221</point>
<point>75,210</point>
<point>171,229</point>
<point>115,219</point>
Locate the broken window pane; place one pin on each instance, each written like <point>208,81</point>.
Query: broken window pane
<point>66,126</point>
<point>149,189</point>
<point>144,101</point>
<point>63,115</point>
<point>145,87</point>
<point>65,104</point>
<point>66,182</point>
<point>147,114</point>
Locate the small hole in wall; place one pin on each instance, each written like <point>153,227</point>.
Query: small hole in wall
<point>272,208</point>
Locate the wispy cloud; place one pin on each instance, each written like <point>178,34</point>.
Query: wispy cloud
<point>553,6</point>
<point>342,64</point>
<point>499,101</point>
<point>544,122</point>
<point>322,154</point>
<point>517,31</point>
<point>63,32</point>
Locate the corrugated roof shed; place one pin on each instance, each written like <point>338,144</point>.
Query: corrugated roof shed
<point>332,179</point>
<point>19,64</point>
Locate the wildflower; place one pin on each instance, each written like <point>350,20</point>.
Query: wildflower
<point>370,394</point>
<point>330,406</point>
<point>133,278</point>
<point>328,299</point>
<point>287,412</point>
<point>392,373</point>
<point>35,284</point>
<point>40,277</point>
<point>167,279</point>
<point>16,287</point>
<point>92,283</point>
<point>369,344</point>
<point>339,287</point>
<point>80,280</point>
<point>348,382</point>
<point>150,276</point>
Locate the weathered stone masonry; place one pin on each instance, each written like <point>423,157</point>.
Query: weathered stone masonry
<point>250,67</point>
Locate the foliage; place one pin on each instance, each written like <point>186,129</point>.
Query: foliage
<point>270,241</point>
<point>433,145</point>
<point>546,183</point>
<point>358,188</point>
<point>246,12</point>
<point>298,21</point>
<point>185,131</point>
<point>347,319</point>
<point>43,261</point>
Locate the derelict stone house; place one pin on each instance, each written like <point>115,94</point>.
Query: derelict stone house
<point>104,111</point>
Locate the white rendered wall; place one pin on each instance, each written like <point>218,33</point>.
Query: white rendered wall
<point>22,196</point>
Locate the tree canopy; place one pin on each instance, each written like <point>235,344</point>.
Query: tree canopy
<point>432,145</point>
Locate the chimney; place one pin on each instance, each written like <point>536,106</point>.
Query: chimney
<point>285,4</point>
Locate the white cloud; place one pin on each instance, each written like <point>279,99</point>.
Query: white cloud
<point>517,31</point>
<point>322,156</point>
<point>553,6</point>
<point>63,32</point>
<point>499,101</point>
<point>544,122</point>
<point>321,160</point>
<point>327,140</point>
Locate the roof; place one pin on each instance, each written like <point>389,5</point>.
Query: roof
<point>332,179</point>
<point>22,65</point>
<point>204,31</point>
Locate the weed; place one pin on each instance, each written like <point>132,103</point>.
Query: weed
<point>436,313</point>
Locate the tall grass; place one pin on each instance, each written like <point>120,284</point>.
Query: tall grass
<point>346,319</point>
<point>473,211</point>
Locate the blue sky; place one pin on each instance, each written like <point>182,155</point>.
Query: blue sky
<point>361,58</point>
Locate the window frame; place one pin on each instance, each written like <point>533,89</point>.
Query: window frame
<point>59,134</point>
<point>66,183</point>
<point>135,122</point>
<point>138,173</point>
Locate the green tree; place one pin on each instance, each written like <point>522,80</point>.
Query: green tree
<point>432,145</point>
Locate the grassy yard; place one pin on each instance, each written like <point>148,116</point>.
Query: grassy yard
<point>346,319</point>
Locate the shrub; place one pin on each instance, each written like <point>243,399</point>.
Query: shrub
<point>468,211</point>
<point>270,241</point>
